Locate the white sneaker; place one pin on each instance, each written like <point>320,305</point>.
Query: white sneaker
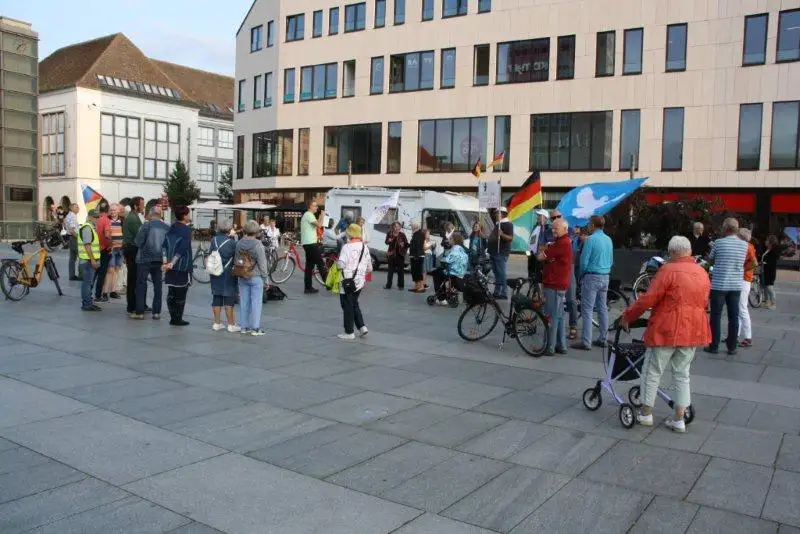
<point>443,303</point>
<point>347,337</point>
<point>644,420</point>
<point>233,328</point>
<point>216,327</point>
<point>257,332</point>
<point>363,331</point>
<point>245,331</point>
<point>677,426</point>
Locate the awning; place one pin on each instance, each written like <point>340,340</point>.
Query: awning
<point>219,206</point>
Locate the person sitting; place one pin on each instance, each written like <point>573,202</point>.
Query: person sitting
<point>455,262</point>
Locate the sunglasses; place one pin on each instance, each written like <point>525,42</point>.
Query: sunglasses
<point>556,217</point>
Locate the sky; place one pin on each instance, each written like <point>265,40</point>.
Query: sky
<point>195,33</point>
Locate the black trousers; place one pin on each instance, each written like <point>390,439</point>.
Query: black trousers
<point>730,300</point>
<point>439,276</point>
<point>314,258</point>
<point>416,269</point>
<point>129,252</point>
<point>176,302</point>
<point>352,311</point>
<point>100,277</point>
<point>534,269</point>
<point>395,265</point>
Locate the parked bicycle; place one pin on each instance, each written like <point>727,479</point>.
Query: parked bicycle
<point>199,263</point>
<point>284,267</point>
<point>756,296</point>
<point>16,278</point>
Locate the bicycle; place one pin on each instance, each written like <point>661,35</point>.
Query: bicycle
<point>756,296</point>
<point>16,280</point>
<point>284,267</point>
<point>524,322</point>
<point>199,263</point>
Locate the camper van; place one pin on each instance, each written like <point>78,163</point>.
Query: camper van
<point>431,208</point>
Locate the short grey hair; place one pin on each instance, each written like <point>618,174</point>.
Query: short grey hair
<point>561,222</point>
<point>679,246</point>
<point>730,226</point>
<point>415,225</point>
<point>225,225</point>
<point>251,227</point>
<point>745,234</point>
<point>697,225</point>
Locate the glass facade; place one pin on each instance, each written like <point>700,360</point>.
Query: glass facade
<point>357,144</point>
<point>376,76</point>
<point>394,147</point>
<point>783,150</point>
<point>272,153</point>
<point>451,145</point>
<point>632,51</point>
<point>411,72</point>
<point>565,68</point>
<point>502,141</point>
<point>571,141</point>
<point>606,53</point>
<point>448,78</point>
<point>629,139</point>
<point>749,153</point>
<point>672,147</point>
<point>523,61</point>
<point>676,48</point>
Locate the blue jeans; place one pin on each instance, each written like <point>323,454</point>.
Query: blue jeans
<point>154,270</point>
<point>86,285</point>
<point>554,309</point>
<point>572,304</point>
<point>594,294</point>
<point>499,269</point>
<point>731,300</point>
<point>250,294</point>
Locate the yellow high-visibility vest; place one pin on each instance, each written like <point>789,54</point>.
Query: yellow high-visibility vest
<point>82,254</point>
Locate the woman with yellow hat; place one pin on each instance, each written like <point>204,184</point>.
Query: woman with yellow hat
<point>355,262</point>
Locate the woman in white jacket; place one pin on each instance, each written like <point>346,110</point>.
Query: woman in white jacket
<point>355,262</point>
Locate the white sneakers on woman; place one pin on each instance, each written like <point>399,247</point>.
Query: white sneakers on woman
<point>232,328</point>
<point>349,337</point>
<point>647,420</point>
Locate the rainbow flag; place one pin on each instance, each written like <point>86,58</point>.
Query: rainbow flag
<point>476,170</point>
<point>520,210</point>
<point>498,160</point>
<point>90,197</point>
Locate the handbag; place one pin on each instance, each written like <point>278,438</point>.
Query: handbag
<point>349,284</point>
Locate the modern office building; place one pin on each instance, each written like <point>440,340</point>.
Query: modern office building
<point>702,96</point>
<point>118,121</point>
<point>19,53</point>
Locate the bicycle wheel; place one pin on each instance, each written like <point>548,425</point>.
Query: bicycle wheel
<point>476,318</point>
<point>756,296</point>
<point>641,285</point>
<point>10,273</point>
<point>531,329</point>
<point>52,273</point>
<point>282,270</point>
<point>199,268</point>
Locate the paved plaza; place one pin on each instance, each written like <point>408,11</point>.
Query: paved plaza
<point>113,426</point>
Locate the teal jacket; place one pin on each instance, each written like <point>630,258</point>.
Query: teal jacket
<point>597,256</point>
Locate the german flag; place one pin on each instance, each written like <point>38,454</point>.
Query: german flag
<point>498,160</point>
<point>526,198</point>
<point>476,170</point>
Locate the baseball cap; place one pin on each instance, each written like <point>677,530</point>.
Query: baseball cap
<point>93,213</point>
<point>543,213</point>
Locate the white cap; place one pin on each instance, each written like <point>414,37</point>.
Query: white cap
<point>543,213</point>
<point>503,209</point>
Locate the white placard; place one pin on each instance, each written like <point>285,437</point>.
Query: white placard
<point>489,194</point>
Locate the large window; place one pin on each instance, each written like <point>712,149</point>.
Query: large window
<point>788,36</point>
<point>318,82</point>
<point>448,74</point>
<point>672,147</point>
<point>484,6</point>
<point>225,139</point>
<point>565,68</point>
<point>632,51</point>
<point>380,13</point>
<point>272,153</point>
<point>348,78</point>
<point>376,76</point>
<point>161,148</point>
<point>256,38</point>
<point>502,141</point>
<point>676,47</point>
<point>356,146</point>
<point>333,21</point>
<point>394,145</point>
<point>267,89</point>
<point>119,146</point>
<point>523,61</point>
<point>257,90</point>
<point>240,96</point>
<point>451,145</point>
<point>317,28</point>
<point>754,50</point>
<point>223,168</point>
<point>427,10</point>
<point>355,17</point>
<point>480,69</point>
<point>783,150</point>
<point>288,85</point>
<point>399,12</point>
<point>53,144</point>
<point>571,141</point>
<point>205,177</point>
<point>295,27</point>
<point>205,136</point>
<point>411,72</point>
<point>270,33</point>
<point>303,136</point>
<point>454,8</point>
<point>629,139</point>
<point>239,157</point>
<point>606,51</point>
<point>749,157</point>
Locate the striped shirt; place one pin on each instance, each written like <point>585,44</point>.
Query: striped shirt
<point>729,254</point>
<point>115,233</point>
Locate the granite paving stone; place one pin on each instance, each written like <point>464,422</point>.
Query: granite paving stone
<point>775,418</point>
<point>228,377</point>
<point>578,417</point>
<point>408,423</point>
<point>319,367</point>
<point>361,408</point>
<point>784,494</point>
<point>665,516</point>
<point>35,479</point>
<point>135,353</point>
<point>194,528</point>
<point>263,358</point>
<point>178,366</point>
<point>691,440</point>
<point>450,392</point>
<point>304,443</point>
<point>108,393</point>
<point>788,529</point>
<point>377,378</point>
<point>782,359</point>
<point>708,407</point>
<point>734,486</point>
<point>295,393</point>
<point>746,445</point>
<point>457,429</point>
<point>724,369</point>
<point>713,521</point>
<point>20,362</point>
<point>789,455</point>
<point>564,451</point>
<point>736,412</point>
<point>38,404</point>
<point>386,357</point>
<point>506,440</point>
<point>527,406</point>
<point>781,376</point>
<point>70,376</point>
<point>19,459</point>
<point>435,524</point>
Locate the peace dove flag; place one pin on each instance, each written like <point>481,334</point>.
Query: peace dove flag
<point>579,204</point>
<point>381,211</point>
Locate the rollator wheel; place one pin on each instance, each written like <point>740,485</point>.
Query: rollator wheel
<point>431,300</point>
<point>688,415</point>
<point>627,416</point>
<point>453,300</point>
<point>592,399</point>
<point>635,396</point>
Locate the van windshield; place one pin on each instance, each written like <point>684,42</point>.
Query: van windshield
<point>481,216</point>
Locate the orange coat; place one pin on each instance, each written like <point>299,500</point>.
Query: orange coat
<point>678,297</point>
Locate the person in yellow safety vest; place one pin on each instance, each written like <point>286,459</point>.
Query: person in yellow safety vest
<point>89,254</point>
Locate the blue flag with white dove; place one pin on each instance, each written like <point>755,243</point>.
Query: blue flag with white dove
<point>579,204</point>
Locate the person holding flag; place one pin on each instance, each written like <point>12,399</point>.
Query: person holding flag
<point>541,235</point>
<point>499,247</point>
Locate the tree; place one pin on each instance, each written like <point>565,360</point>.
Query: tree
<point>180,188</point>
<point>225,187</point>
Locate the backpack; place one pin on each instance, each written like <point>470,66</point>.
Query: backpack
<point>214,266</point>
<point>244,265</point>
<point>272,292</point>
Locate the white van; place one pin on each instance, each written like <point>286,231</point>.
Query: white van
<point>431,208</point>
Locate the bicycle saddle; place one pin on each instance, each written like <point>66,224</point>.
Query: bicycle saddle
<point>16,246</point>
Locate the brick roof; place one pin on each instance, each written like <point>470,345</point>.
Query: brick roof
<point>202,86</point>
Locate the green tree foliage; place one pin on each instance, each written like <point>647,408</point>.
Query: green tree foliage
<point>225,187</point>
<point>180,188</point>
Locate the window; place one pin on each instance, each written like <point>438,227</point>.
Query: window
<point>411,72</point>
<point>484,6</point>
<point>393,147</point>
<point>53,144</point>
<point>523,61</point>
<point>119,146</point>
<point>606,50</point>
<point>754,51</point>
<point>205,177</point>
<point>380,13</point>
<point>222,168</point>
<point>453,8</point>
<point>288,86</point>
<point>161,149</point>
<point>240,157</point>
<point>448,74</point>
<point>205,136</point>
<point>225,139</point>
<point>502,141</point>
<point>783,150</point>
<point>676,47</point>
<point>349,78</point>
<point>565,62</point>
<point>333,21</point>
<point>451,145</point>
<point>399,12</point>
<point>571,141</point>
<point>358,145</point>
<point>270,33</point>
<point>303,135</point>
<point>480,72</point>
<point>672,148</point>
<point>267,89</point>
<point>316,31</point>
<point>272,153</point>
<point>749,157</point>
<point>257,91</point>
<point>355,17</point>
<point>632,51</point>
<point>295,27</point>
<point>427,10</point>
<point>256,36</point>
<point>376,76</point>
<point>629,139</point>
<point>318,82</point>
<point>242,84</point>
<point>788,36</point>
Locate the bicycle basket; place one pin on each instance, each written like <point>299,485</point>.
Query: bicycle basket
<point>629,360</point>
<point>474,293</point>
<point>524,301</point>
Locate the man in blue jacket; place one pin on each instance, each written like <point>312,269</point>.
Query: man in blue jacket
<point>149,259</point>
<point>596,261</point>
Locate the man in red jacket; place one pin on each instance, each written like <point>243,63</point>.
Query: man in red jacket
<point>557,265</point>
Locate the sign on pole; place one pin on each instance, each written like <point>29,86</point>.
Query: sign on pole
<point>489,194</point>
